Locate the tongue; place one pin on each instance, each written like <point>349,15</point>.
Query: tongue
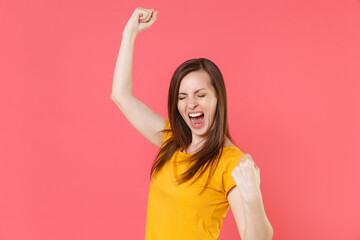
<point>198,120</point>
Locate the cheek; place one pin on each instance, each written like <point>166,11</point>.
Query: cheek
<point>213,109</point>
<point>213,105</point>
<point>180,108</point>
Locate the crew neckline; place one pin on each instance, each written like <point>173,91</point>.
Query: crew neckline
<point>193,153</point>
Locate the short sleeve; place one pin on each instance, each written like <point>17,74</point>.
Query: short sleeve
<point>167,131</point>
<point>231,160</point>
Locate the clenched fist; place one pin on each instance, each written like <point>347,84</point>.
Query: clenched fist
<point>141,19</point>
<point>247,178</point>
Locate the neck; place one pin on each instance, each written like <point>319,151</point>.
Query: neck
<point>196,144</point>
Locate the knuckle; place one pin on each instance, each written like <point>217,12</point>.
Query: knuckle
<point>247,155</point>
<point>244,159</point>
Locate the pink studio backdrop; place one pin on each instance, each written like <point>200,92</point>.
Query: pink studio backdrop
<point>72,167</point>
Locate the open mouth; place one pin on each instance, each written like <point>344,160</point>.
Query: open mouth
<point>197,119</point>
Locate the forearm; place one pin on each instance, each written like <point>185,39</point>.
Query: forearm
<point>257,225</point>
<point>122,80</point>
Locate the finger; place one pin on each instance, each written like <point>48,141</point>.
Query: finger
<point>143,16</point>
<point>247,156</point>
<point>244,161</point>
<point>142,12</point>
<point>136,15</point>
<point>139,11</point>
<point>153,19</point>
<point>257,168</point>
<point>148,15</point>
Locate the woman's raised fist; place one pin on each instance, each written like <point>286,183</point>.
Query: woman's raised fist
<point>246,175</point>
<point>141,19</point>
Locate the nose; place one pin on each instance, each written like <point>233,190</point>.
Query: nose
<point>192,104</point>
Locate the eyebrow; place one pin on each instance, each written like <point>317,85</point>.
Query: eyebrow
<point>195,91</point>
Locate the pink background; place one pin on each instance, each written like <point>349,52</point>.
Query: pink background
<point>72,167</point>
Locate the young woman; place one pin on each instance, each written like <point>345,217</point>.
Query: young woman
<point>198,171</point>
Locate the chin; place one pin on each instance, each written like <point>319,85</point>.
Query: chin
<point>199,131</point>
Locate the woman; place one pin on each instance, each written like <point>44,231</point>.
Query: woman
<point>194,145</point>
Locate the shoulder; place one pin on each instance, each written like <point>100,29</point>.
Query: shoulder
<point>167,130</point>
<point>231,151</point>
<point>230,156</point>
<point>167,124</point>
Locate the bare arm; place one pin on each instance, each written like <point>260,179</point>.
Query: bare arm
<point>146,121</point>
<point>246,202</point>
<point>237,208</point>
<point>250,217</point>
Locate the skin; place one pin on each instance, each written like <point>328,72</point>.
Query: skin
<point>245,198</point>
<point>146,121</point>
<point>250,215</point>
<point>197,94</point>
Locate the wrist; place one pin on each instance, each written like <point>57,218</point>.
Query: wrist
<point>129,33</point>
<point>128,38</point>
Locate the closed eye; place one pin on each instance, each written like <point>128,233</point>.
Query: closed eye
<point>201,96</point>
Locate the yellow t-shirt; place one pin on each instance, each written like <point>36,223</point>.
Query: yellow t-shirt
<point>177,211</point>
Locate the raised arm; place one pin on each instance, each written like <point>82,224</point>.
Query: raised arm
<point>146,121</point>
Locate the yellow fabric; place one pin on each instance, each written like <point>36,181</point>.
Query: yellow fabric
<point>177,211</point>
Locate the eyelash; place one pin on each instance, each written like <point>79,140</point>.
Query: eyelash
<point>201,96</point>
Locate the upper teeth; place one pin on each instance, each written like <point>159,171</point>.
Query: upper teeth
<point>195,114</point>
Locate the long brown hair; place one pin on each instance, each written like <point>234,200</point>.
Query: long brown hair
<point>211,151</point>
